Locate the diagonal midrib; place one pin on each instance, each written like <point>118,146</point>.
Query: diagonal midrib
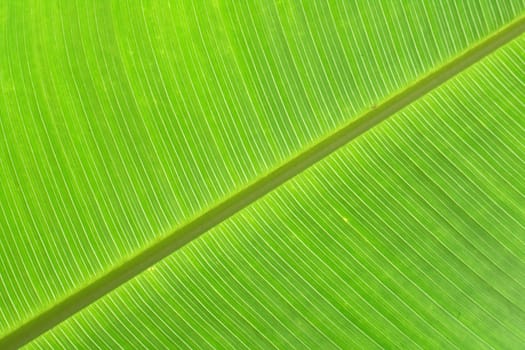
<point>181,236</point>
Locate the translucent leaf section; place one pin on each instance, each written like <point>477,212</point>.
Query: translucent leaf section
<point>122,120</point>
<point>412,236</point>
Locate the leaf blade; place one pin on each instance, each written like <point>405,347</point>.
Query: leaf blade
<point>63,187</point>
<point>393,240</point>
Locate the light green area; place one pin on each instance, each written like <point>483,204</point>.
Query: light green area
<point>413,235</point>
<point>121,121</point>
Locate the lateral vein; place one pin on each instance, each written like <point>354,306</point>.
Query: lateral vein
<point>201,224</point>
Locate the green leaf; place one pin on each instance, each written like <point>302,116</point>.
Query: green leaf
<point>129,129</point>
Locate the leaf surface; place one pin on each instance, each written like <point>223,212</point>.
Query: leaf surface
<point>123,122</point>
<point>410,236</point>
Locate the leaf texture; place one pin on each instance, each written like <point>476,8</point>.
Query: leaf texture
<point>123,121</point>
<point>410,236</point>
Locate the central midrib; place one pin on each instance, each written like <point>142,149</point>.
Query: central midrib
<point>176,239</point>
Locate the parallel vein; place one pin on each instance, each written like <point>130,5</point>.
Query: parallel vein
<point>162,248</point>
